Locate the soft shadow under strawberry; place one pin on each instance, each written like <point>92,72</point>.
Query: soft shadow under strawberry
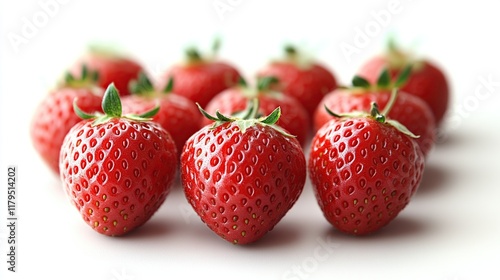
<point>154,228</point>
<point>434,179</point>
<point>401,227</point>
<point>284,234</point>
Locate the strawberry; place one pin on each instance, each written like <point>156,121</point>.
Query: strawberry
<point>427,80</point>
<point>177,114</point>
<point>242,174</point>
<point>201,78</point>
<point>54,116</point>
<point>408,109</point>
<point>364,170</point>
<point>117,170</point>
<point>112,68</point>
<point>294,117</point>
<point>302,78</point>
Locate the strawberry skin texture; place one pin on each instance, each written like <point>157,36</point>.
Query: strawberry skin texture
<point>201,81</point>
<point>308,85</point>
<point>409,110</point>
<point>111,69</point>
<point>426,81</point>
<point>242,184</point>
<point>54,118</point>
<point>178,115</point>
<point>294,117</point>
<point>363,173</point>
<point>117,174</point>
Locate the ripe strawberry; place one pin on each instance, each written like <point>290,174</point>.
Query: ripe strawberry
<point>408,109</point>
<point>364,171</point>
<point>306,80</point>
<point>242,174</point>
<point>177,114</point>
<point>426,81</point>
<point>201,78</point>
<point>54,116</point>
<point>117,170</point>
<point>112,68</point>
<point>294,117</point>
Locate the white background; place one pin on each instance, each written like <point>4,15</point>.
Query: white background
<point>450,230</point>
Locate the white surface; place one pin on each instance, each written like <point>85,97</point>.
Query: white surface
<point>450,230</point>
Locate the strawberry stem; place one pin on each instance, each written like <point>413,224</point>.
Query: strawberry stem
<point>390,103</point>
<point>375,113</point>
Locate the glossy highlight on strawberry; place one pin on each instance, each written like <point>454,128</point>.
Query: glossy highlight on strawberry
<point>364,172</point>
<point>117,170</point>
<point>241,176</point>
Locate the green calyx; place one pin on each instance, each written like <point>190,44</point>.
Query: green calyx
<point>384,81</point>
<point>377,115</point>
<point>298,57</point>
<point>263,87</point>
<point>193,55</point>
<point>143,86</point>
<point>87,78</point>
<point>112,108</point>
<point>398,58</point>
<point>265,83</point>
<point>290,51</point>
<point>247,118</point>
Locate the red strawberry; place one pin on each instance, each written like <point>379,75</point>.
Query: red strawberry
<point>112,68</point>
<point>54,116</point>
<point>201,78</point>
<point>306,80</point>
<point>426,81</point>
<point>364,171</point>
<point>408,109</point>
<point>242,175</point>
<point>117,170</point>
<point>177,114</point>
<point>294,117</point>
